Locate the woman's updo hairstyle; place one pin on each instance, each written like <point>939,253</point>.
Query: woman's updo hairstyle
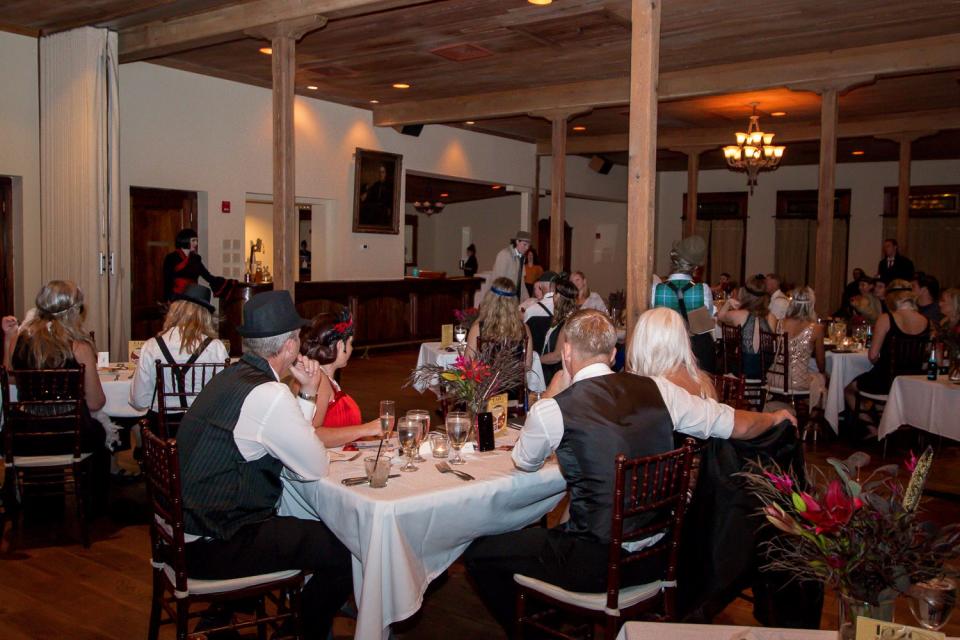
<point>319,340</point>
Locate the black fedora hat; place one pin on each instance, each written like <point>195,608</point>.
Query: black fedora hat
<point>197,294</point>
<point>269,314</point>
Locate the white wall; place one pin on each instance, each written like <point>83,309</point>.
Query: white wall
<point>866,182</point>
<point>20,158</point>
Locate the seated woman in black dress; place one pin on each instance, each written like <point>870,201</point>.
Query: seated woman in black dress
<point>564,306</point>
<point>54,339</point>
<point>750,312</point>
<point>902,320</point>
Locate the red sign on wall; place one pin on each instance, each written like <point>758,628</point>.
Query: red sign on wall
<point>224,206</point>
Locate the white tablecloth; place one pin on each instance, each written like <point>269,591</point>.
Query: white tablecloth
<point>842,369</point>
<point>658,630</point>
<point>433,353</point>
<point>930,405</point>
<point>116,387</point>
<point>405,535</point>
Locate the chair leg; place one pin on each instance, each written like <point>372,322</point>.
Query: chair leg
<point>261,614</point>
<point>155,607</point>
<point>521,614</point>
<point>610,627</point>
<point>295,609</point>
<point>79,493</point>
<point>183,619</point>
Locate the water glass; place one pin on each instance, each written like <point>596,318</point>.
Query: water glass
<point>377,470</point>
<point>423,418</point>
<point>932,602</point>
<point>460,333</point>
<point>458,430</point>
<point>408,431</point>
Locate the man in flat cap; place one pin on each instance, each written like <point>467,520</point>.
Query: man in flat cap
<point>509,263</point>
<point>692,301</point>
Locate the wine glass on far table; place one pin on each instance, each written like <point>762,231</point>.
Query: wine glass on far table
<point>408,431</point>
<point>458,430</point>
<point>388,416</point>
<point>932,602</point>
<point>460,335</point>
<point>423,418</point>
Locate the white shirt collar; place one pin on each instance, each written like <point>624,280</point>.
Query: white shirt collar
<point>680,276</point>
<point>274,372</point>
<point>592,371</point>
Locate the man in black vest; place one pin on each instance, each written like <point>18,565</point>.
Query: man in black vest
<point>244,428</point>
<point>588,416</point>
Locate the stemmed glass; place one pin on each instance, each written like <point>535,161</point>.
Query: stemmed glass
<point>388,415</point>
<point>408,431</point>
<point>458,430</point>
<point>423,419</point>
<point>460,334</point>
<point>932,602</point>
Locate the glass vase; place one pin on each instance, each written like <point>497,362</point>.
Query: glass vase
<point>852,608</point>
<point>955,369</point>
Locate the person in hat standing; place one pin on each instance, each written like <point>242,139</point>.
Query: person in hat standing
<point>680,293</point>
<point>510,262</point>
<point>189,336</point>
<point>244,428</point>
<point>184,267</point>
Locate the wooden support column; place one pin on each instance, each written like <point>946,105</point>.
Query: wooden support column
<point>283,38</point>
<point>827,186</point>
<point>642,168</point>
<point>905,140</point>
<point>535,204</point>
<point>693,174</point>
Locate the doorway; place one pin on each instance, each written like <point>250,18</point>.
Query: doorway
<point>6,246</point>
<point>156,215</point>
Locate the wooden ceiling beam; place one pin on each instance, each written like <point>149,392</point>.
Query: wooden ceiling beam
<point>165,37</point>
<point>879,126</point>
<point>911,56</point>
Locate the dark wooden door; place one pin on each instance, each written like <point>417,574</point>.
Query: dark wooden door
<point>156,215</point>
<point>543,244</point>
<point>6,247</point>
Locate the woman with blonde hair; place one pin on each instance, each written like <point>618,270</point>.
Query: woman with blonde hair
<point>189,336</point>
<point>500,320</point>
<point>950,308</point>
<point>805,339</point>
<point>54,338</point>
<point>660,347</point>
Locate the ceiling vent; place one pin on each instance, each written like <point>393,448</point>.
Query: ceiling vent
<point>462,52</point>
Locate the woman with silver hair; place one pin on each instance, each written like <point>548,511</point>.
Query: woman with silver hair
<point>805,339</point>
<point>660,347</point>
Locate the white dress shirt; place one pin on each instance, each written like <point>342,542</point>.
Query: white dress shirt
<point>707,291</point>
<point>508,265</point>
<point>532,309</point>
<point>779,302</point>
<point>143,389</point>
<point>594,301</point>
<point>543,429</point>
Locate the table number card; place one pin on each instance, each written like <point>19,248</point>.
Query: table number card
<point>446,335</point>
<point>870,629</point>
<point>133,349</point>
<point>103,359</point>
<point>497,405</point>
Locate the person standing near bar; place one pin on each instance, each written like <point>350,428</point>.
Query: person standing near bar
<point>184,267</point>
<point>510,261</point>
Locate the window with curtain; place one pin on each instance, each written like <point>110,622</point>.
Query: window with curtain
<point>722,222</point>
<point>795,253</point>
<point>933,231</point>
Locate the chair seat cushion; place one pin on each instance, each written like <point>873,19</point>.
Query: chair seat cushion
<point>210,587</point>
<point>879,397</point>
<point>62,460</point>
<point>629,596</point>
<point>792,392</point>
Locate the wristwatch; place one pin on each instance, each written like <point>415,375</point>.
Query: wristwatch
<point>309,397</point>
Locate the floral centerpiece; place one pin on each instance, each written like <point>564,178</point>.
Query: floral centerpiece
<point>863,539</point>
<point>474,378</point>
<point>467,316</point>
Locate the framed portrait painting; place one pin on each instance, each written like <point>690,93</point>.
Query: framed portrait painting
<point>376,192</point>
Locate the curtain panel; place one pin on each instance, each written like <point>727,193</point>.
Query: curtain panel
<point>79,171</point>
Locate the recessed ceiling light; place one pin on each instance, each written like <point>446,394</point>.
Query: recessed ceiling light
<point>312,87</point>
<point>858,152</point>
<point>401,85</point>
<point>469,122</point>
<point>579,127</point>
<point>496,186</point>
<point>444,195</point>
<point>778,114</point>
<point>266,50</point>
<point>374,102</point>
<point>541,3</point>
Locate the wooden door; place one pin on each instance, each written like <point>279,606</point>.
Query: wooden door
<point>6,247</point>
<point>543,243</point>
<point>156,216</point>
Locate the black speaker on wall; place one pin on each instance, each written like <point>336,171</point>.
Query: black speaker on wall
<point>600,164</point>
<point>410,129</point>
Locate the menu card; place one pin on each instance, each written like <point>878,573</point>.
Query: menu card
<point>497,405</point>
<point>870,629</point>
<point>446,335</point>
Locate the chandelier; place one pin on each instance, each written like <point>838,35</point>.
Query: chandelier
<point>428,206</point>
<point>753,152</point>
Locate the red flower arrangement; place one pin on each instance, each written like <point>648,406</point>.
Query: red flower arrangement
<point>466,316</point>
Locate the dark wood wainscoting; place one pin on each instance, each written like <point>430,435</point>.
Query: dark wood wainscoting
<point>390,311</point>
<point>231,313</point>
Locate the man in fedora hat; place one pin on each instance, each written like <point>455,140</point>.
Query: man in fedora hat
<point>509,263</point>
<point>692,301</point>
<point>244,428</point>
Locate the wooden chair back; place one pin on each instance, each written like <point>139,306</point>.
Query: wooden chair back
<point>732,341</point>
<point>161,467</point>
<point>47,414</point>
<point>657,487</point>
<point>730,390</point>
<point>908,355</point>
<point>177,388</point>
<point>775,359</point>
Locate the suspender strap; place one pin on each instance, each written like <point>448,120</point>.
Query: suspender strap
<point>544,307</point>
<point>680,291</point>
<point>180,370</point>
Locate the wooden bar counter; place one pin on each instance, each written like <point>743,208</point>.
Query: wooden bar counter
<point>390,312</point>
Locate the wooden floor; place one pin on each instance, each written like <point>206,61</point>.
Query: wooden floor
<point>52,588</point>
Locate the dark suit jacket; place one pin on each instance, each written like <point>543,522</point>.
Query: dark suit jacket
<point>902,268</point>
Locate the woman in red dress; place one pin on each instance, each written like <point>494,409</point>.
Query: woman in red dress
<point>329,341</point>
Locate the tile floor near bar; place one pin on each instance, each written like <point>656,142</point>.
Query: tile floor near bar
<point>51,588</point>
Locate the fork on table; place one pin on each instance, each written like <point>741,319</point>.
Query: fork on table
<point>443,467</point>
